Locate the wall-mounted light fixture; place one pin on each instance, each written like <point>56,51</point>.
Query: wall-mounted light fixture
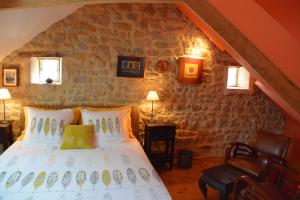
<point>191,67</point>
<point>196,53</point>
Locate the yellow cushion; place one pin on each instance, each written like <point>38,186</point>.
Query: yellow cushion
<point>75,120</point>
<point>78,137</point>
<point>128,120</point>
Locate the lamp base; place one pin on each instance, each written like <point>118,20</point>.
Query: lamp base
<point>4,121</point>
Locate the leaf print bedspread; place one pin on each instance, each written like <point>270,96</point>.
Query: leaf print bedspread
<point>27,173</point>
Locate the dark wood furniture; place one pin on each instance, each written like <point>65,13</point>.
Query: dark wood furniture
<point>268,148</point>
<point>221,178</point>
<point>163,133</point>
<point>6,134</point>
<point>279,184</point>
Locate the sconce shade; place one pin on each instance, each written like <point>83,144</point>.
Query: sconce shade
<point>4,93</point>
<point>152,96</point>
<point>196,53</point>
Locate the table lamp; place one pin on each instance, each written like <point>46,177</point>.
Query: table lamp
<point>4,94</point>
<point>152,96</point>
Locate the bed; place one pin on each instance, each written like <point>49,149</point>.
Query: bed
<point>109,172</point>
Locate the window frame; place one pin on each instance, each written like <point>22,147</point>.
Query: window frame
<point>238,90</point>
<point>36,70</point>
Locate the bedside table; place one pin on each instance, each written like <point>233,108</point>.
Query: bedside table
<point>6,134</point>
<point>160,132</point>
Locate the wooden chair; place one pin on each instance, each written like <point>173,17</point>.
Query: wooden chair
<point>279,184</point>
<point>268,148</point>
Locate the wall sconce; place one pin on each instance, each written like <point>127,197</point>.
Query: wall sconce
<point>191,67</point>
<point>196,53</point>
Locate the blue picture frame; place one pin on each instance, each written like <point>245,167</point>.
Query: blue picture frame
<point>130,66</point>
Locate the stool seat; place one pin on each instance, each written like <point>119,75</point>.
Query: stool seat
<point>221,178</point>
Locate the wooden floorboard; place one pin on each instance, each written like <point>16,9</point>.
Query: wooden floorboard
<point>183,183</point>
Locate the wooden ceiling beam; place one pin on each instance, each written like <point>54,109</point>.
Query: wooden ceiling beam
<point>12,4</point>
<point>248,55</point>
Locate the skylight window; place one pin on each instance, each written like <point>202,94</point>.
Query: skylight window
<point>238,78</point>
<point>43,68</point>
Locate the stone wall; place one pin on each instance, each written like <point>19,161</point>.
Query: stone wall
<point>90,40</point>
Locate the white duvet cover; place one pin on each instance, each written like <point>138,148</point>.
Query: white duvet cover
<point>114,172</point>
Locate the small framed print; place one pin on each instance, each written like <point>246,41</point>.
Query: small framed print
<point>131,67</point>
<point>10,76</point>
<point>190,70</point>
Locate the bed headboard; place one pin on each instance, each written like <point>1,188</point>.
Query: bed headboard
<point>135,120</point>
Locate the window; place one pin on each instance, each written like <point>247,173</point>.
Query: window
<point>238,78</point>
<point>43,68</point>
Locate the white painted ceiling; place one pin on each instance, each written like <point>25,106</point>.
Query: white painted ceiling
<point>19,26</point>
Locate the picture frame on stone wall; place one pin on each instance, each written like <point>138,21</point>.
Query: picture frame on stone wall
<point>10,76</point>
<point>130,66</point>
<point>190,70</point>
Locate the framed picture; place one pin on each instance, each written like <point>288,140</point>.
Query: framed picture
<point>10,76</point>
<point>131,67</point>
<point>190,70</point>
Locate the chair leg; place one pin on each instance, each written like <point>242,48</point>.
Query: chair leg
<point>203,188</point>
<point>224,194</point>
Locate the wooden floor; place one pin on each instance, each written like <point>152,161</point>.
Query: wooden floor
<point>183,184</point>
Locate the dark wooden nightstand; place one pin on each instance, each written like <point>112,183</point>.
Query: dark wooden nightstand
<point>164,134</point>
<point>6,134</point>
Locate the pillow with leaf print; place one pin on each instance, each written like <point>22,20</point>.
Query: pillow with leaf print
<point>46,126</point>
<point>109,126</point>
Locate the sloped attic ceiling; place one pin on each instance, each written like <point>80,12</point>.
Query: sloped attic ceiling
<point>18,26</point>
<point>277,78</point>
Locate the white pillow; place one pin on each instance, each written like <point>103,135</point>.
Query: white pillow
<point>109,126</point>
<point>46,126</point>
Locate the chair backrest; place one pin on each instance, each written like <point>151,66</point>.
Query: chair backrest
<point>272,144</point>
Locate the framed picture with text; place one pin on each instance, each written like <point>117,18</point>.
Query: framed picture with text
<point>132,67</point>
<point>10,76</point>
